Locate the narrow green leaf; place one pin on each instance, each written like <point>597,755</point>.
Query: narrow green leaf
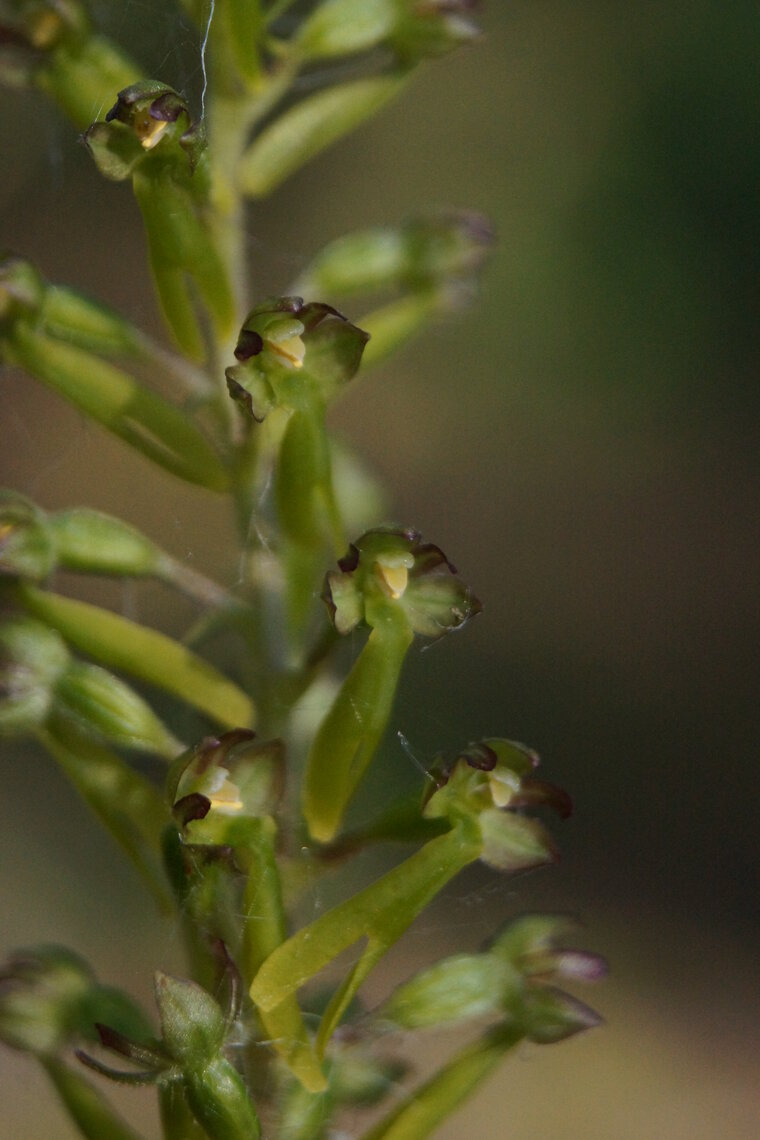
<point>435,1100</point>
<point>352,729</point>
<point>97,701</point>
<point>142,419</point>
<point>389,326</point>
<point>145,653</point>
<point>243,23</point>
<point>311,126</point>
<point>380,913</point>
<point>87,1107</point>
<point>127,805</point>
<point>83,79</point>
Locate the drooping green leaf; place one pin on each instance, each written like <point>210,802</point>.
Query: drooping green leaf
<point>310,127</point>
<point>380,913</point>
<point>86,1105</point>
<point>127,805</point>
<point>432,1103</point>
<point>114,399</point>
<point>145,653</point>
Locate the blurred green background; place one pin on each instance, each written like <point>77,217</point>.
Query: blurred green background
<point>582,443</point>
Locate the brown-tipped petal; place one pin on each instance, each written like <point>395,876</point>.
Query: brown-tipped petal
<point>534,793</point>
<point>194,806</point>
<point>479,756</point>
<point>134,1051</point>
<point>249,344</point>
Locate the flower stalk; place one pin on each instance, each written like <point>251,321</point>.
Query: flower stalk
<point>249,1041</point>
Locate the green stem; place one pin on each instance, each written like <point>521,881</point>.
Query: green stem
<point>89,1110</point>
<point>193,583</point>
<point>435,1100</point>
<point>177,1121</point>
<point>263,931</point>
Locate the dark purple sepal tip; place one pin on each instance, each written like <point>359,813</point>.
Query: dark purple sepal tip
<point>534,792</point>
<point>133,1050</point>
<point>249,344</point>
<point>480,757</point>
<point>240,396</point>
<point>194,806</point>
<point>350,560</point>
<point>167,108</point>
<point>427,557</point>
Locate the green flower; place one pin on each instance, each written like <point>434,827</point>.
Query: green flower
<point>222,780</point>
<point>291,355</point>
<point>399,586</point>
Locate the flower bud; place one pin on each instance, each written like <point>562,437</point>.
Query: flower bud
<point>550,1016</point>
<point>535,945</point>
<point>92,542</point>
<point>426,250</point>
<point>357,1077</point>
<point>32,659</point>
<point>192,1024</point>
<point>193,1031</point>
<point>33,543</point>
<point>306,129</point>
<point>27,546</point>
<point>97,701</point>
<point>61,312</point>
<point>454,989</point>
<point>412,28</point>
<point>71,316</point>
<point>50,998</point>
<point>21,290</point>
<point>433,27</point>
<point>40,992</point>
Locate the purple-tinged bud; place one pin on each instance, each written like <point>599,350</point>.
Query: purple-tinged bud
<point>50,999</point>
<point>32,659</point>
<point>27,548</point>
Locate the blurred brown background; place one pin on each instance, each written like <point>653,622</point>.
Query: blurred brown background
<point>582,443</point>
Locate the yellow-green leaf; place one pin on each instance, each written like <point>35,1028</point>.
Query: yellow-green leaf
<point>145,653</point>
